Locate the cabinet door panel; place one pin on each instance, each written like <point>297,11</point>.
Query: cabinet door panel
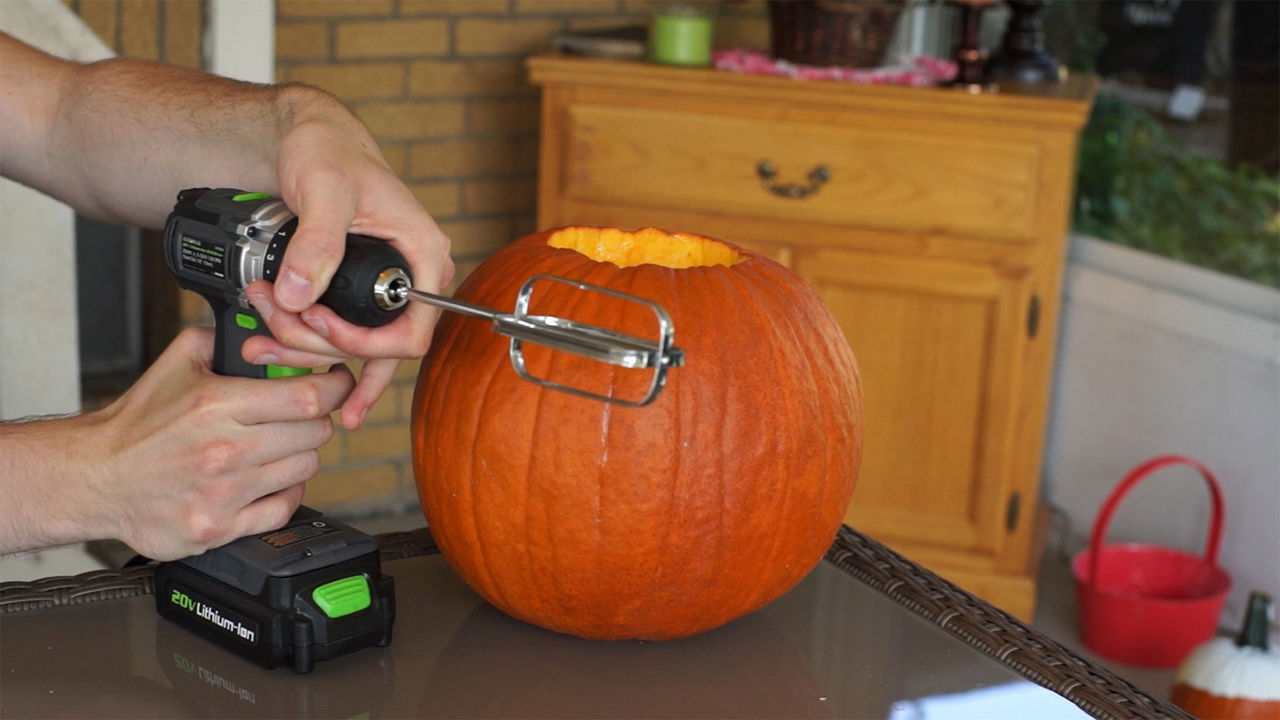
<point>932,340</point>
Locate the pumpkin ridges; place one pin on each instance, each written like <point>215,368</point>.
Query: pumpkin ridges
<point>835,352</point>
<point>696,504</point>
<point>733,521</point>
<point>753,600</point>
<point>480,572</point>
<point>773,490</point>
<point>539,579</point>
<point>741,521</point>
<point>677,559</point>
<point>653,554</point>
<point>764,337</point>
<point>447,334</point>
<point>665,580</point>
<point>675,392</point>
<point>542,550</point>
<point>828,359</point>
<point>569,404</point>
<point>593,497</point>
<point>487,565</point>
<point>469,500</point>
<point>619,482</point>
<point>780,357</point>
<point>790,369</point>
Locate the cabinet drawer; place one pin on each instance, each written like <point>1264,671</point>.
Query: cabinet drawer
<point>878,176</point>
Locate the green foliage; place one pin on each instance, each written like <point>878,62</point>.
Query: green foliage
<point>1071,34</point>
<point>1135,187</point>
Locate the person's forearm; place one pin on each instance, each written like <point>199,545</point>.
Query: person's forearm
<point>42,485</point>
<point>135,133</point>
<point>129,134</point>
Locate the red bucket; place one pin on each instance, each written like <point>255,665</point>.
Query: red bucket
<point>1145,604</point>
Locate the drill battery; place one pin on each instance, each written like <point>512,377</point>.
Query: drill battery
<point>309,591</point>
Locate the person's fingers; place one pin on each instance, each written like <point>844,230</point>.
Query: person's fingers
<point>272,442</point>
<point>325,205</point>
<point>408,336</point>
<point>304,397</point>
<point>262,350</point>
<point>287,329</point>
<point>374,379</point>
<point>275,490</point>
<point>269,512</point>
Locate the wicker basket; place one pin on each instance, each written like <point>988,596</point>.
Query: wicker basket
<point>850,33</point>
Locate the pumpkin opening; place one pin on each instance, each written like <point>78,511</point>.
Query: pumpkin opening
<point>628,248</point>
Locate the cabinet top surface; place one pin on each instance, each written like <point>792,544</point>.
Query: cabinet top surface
<point>1066,104</point>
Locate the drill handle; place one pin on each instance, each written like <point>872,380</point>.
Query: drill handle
<point>232,325</point>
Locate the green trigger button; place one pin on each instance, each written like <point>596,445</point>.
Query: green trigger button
<point>245,197</point>
<point>247,321</point>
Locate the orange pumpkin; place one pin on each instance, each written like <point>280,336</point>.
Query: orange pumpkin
<point>655,522</point>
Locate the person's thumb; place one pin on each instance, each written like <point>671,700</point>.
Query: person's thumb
<point>195,344</point>
<point>312,257</point>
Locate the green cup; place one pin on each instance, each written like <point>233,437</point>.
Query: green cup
<point>681,36</point>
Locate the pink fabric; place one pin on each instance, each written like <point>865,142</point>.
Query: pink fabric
<point>923,70</point>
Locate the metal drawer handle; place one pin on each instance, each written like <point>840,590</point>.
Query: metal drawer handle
<point>767,172</point>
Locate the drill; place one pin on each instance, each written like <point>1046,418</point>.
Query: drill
<point>217,241</point>
<point>313,589</point>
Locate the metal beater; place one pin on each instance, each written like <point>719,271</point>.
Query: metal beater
<point>597,343</point>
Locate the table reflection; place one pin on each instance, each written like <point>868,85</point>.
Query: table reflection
<point>219,684</point>
<point>1015,701</point>
<point>496,667</point>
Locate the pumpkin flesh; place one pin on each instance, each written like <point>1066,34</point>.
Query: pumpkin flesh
<point>656,522</point>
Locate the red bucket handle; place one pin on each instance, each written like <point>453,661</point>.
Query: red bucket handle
<point>1103,521</point>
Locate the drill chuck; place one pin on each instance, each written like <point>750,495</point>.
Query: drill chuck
<point>391,290</point>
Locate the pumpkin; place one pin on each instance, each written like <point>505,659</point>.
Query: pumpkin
<point>1237,679</point>
<point>655,522</point>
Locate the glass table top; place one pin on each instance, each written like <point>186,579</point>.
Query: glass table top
<point>830,648</point>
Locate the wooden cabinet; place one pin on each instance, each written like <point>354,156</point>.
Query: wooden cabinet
<point>932,222</point>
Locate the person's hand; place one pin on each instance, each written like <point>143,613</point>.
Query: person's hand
<point>335,179</point>
<point>193,460</point>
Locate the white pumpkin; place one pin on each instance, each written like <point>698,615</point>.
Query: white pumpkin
<point>1236,679</point>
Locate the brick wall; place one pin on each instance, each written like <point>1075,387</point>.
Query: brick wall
<point>442,86</point>
<point>167,30</point>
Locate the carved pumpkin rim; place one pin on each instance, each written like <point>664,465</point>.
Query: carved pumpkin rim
<point>644,246</point>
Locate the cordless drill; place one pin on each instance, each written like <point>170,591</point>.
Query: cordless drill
<point>313,589</point>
